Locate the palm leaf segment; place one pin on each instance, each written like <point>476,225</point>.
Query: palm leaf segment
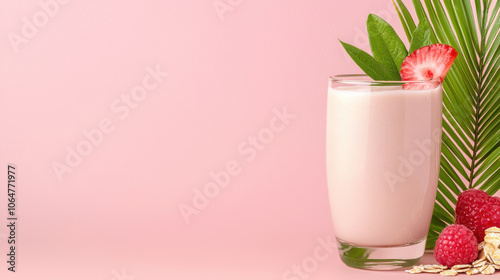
<point>471,99</point>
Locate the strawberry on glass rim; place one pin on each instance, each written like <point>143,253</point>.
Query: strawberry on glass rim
<point>427,63</point>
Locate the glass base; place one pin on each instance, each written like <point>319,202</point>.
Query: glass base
<point>381,258</point>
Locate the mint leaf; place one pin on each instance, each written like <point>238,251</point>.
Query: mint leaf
<point>386,46</point>
<point>370,65</point>
<point>421,36</point>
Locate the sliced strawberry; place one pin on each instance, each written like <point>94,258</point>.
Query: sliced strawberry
<point>428,63</point>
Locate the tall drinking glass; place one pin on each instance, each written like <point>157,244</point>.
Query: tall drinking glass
<point>383,152</point>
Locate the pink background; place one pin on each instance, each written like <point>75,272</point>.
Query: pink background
<point>116,215</point>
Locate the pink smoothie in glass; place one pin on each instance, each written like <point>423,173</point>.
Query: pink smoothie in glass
<point>383,152</point>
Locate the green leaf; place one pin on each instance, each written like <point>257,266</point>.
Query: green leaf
<point>386,46</point>
<point>471,97</point>
<point>369,65</point>
<point>405,17</point>
<point>421,36</point>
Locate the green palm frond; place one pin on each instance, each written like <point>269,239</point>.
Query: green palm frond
<point>471,99</point>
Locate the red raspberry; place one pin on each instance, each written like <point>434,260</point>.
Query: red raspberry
<point>477,211</point>
<point>456,245</point>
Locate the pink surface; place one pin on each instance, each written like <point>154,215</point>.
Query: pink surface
<point>90,77</point>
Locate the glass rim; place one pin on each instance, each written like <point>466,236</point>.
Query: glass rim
<point>358,79</point>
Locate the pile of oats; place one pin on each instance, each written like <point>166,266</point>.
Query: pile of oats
<point>487,263</point>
